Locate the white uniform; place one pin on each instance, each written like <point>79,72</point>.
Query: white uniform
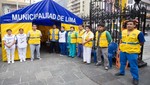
<point>62,37</point>
<point>87,50</point>
<point>22,45</point>
<point>9,39</point>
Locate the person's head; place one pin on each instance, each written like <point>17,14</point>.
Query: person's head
<point>87,28</point>
<point>62,28</point>
<point>131,25</point>
<point>54,26</point>
<point>34,27</point>
<point>80,27</point>
<point>72,28</point>
<point>101,27</point>
<point>21,31</point>
<point>9,31</point>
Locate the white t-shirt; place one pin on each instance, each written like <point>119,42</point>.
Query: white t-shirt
<point>62,37</point>
<point>21,40</point>
<point>9,39</point>
<point>91,35</point>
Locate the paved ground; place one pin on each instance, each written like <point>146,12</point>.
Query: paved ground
<point>57,70</point>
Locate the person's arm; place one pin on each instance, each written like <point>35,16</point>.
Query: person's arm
<point>141,38</point>
<point>90,38</point>
<point>4,39</point>
<point>13,42</point>
<point>109,38</point>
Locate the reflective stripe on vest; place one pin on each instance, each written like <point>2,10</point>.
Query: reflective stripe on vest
<point>130,43</point>
<point>103,42</point>
<point>73,37</point>
<point>79,39</point>
<point>90,43</point>
<point>34,37</point>
<point>56,33</point>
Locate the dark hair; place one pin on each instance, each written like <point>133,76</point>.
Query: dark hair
<point>88,26</point>
<point>63,27</point>
<point>8,30</point>
<point>134,22</point>
<point>101,24</point>
<point>81,25</point>
<point>34,24</point>
<point>21,29</point>
<point>72,27</point>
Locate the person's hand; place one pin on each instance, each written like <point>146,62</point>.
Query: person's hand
<point>83,43</point>
<point>118,51</point>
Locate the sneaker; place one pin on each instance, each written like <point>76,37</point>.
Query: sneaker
<point>40,58</point>
<point>119,74</point>
<point>24,60</point>
<point>8,62</point>
<point>135,82</point>
<point>13,62</point>
<point>20,60</point>
<point>61,55</point>
<point>106,68</point>
<point>31,59</point>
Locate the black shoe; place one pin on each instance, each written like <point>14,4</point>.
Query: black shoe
<point>119,74</point>
<point>135,82</point>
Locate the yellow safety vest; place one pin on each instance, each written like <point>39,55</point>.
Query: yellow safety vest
<point>56,33</point>
<point>103,42</point>
<point>130,43</point>
<point>73,37</point>
<point>90,43</point>
<point>35,37</point>
<point>79,39</point>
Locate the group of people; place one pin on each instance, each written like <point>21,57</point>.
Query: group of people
<point>20,41</point>
<point>129,47</point>
<point>79,43</point>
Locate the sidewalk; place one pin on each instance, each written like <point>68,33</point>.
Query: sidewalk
<point>61,70</point>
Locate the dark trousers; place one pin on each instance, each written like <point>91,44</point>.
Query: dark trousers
<point>63,48</point>
<point>54,47</point>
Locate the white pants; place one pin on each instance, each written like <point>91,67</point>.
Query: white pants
<point>22,53</point>
<point>34,47</point>
<point>87,54</point>
<point>10,54</point>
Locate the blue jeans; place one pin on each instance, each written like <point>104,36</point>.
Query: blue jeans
<point>63,48</point>
<point>132,58</point>
<point>80,50</point>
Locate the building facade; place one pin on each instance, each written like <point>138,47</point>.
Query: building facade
<point>8,6</point>
<point>143,2</point>
<point>79,7</point>
<point>63,3</point>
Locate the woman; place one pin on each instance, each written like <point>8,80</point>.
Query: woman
<point>62,41</point>
<point>72,40</point>
<point>9,42</point>
<point>22,45</point>
<point>87,45</point>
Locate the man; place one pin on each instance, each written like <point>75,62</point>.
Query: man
<point>22,44</point>
<point>34,38</point>
<point>103,39</point>
<point>130,47</point>
<point>79,41</point>
<point>53,36</point>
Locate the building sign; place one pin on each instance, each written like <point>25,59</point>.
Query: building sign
<point>46,15</point>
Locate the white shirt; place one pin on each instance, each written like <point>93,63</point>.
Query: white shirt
<point>91,35</point>
<point>62,37</point>
<point>21,40</point>
<point>9,39</point>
